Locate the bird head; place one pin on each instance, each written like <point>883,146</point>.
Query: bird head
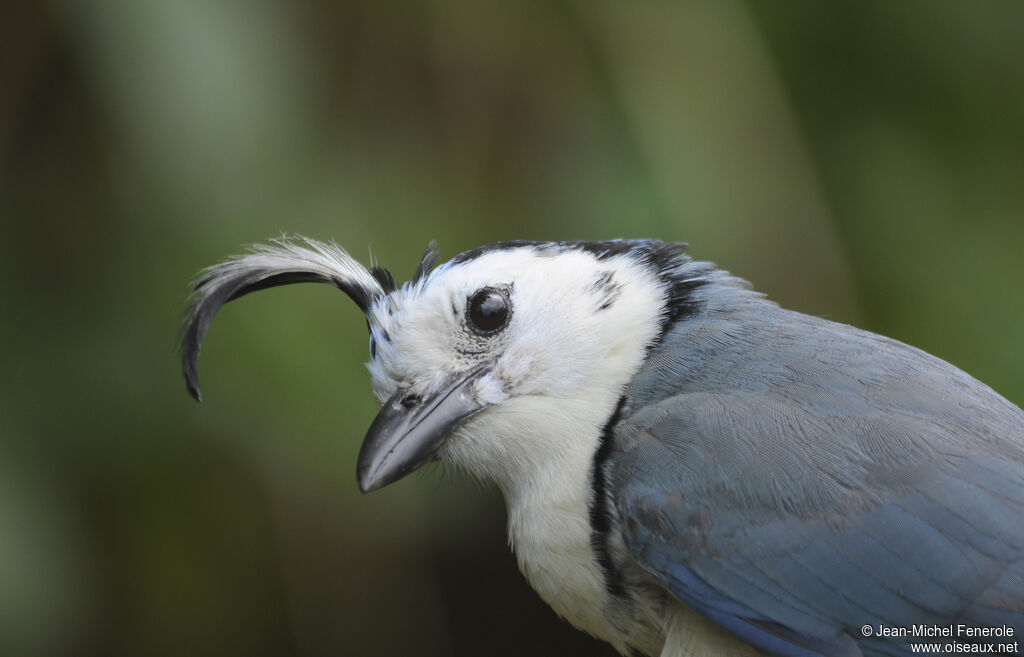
<point>476,361</point>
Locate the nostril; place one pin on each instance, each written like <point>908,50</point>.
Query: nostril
<point>411,401</point>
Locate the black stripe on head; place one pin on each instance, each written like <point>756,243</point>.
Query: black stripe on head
<point>651,251</point>
<point>611,248</point>
<point>680,300</point>
<point>288,261</point>
<point>473,254</point>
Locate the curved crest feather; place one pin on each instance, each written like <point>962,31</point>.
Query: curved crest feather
<point>287,260</point>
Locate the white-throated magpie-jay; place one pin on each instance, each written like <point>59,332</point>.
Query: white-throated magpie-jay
<point>689,469</point>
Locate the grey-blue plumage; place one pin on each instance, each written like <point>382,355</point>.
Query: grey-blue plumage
<point>795,479</point>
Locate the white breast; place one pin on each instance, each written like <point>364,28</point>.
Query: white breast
<point>548,498</point>
<point>550,534</point>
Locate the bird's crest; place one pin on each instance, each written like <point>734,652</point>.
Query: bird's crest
<point>286,260</point>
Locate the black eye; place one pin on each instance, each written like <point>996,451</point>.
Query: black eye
<point>488,310</point>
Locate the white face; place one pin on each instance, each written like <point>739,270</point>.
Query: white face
<point>568,313</point>
<point>576,329</point>
<point>503,360</point>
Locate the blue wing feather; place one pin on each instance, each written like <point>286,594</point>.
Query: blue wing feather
<point>794,490</point>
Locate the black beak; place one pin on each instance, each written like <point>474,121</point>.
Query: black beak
<point>409,430</point>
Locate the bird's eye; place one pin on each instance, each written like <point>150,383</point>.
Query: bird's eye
<point>488,310</point>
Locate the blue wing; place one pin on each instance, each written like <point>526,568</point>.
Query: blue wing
<point>798,491</point>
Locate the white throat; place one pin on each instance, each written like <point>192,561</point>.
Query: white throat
<point>548,499</point>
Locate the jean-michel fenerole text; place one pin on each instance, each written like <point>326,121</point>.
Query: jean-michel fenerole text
<point>953,631</point>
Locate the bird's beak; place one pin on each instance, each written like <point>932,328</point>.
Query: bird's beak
<point>409,430</point>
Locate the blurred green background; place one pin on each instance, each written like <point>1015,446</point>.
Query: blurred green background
<point>862,161</point>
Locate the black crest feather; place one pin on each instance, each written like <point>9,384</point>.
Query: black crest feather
<point>427,262</point>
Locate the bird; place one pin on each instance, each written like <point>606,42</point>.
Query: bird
<point>688,468</point>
